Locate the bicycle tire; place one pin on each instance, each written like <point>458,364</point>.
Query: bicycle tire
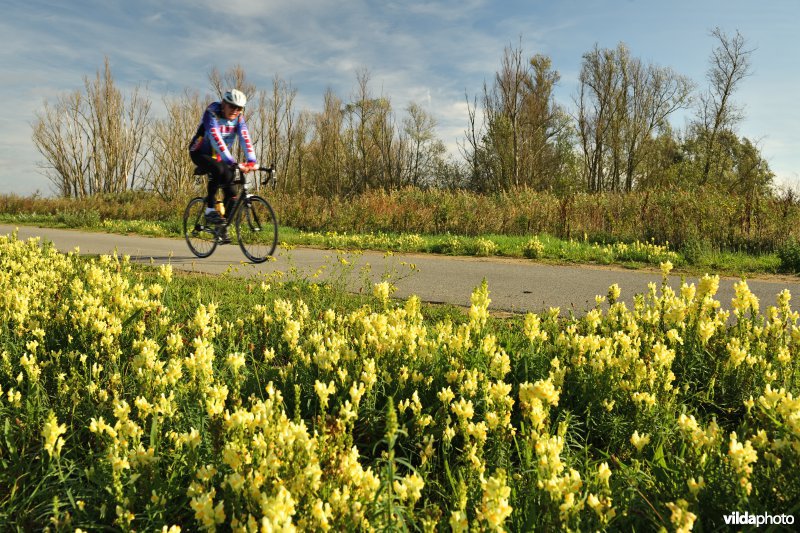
<point>256,229</point>
<point>200,236</point>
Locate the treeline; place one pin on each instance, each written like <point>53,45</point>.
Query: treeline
<point>617,135</point>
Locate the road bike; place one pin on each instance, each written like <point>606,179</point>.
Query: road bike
<point>251,215</point>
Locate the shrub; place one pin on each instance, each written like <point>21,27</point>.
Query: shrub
<point>484,247</point>
<point>452,244</point>
<point>789,255</point>
<point>533,248</point>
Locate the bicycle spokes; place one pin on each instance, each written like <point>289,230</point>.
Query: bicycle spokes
<point>199,235</point>
<point>257,229</point>
<point>252,218</point>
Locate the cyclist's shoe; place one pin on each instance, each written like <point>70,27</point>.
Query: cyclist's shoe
<point>214,218</point>
<point>224,237</point>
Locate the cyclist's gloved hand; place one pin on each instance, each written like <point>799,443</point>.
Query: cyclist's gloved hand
<point>247,167</point>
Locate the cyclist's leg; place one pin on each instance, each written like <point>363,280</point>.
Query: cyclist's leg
<point>219,175</point>
<point>229,193</point>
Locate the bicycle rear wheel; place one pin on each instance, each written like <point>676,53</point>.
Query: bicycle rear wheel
<point>199,234</point>
<point>257,229</point>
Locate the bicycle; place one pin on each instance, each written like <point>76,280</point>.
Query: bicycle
<point>251,215</point>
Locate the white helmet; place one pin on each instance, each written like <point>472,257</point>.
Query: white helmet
<point>235,97</point>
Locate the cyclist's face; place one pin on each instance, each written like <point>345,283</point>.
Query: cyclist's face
<point>230,111</point>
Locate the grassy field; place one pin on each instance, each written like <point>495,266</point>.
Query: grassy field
<point>138,399</point>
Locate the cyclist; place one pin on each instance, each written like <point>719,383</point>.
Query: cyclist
<point>210,149</point>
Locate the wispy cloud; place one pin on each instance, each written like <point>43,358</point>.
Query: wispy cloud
<point>428,52</point>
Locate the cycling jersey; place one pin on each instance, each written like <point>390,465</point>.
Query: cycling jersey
<point>216,134</point>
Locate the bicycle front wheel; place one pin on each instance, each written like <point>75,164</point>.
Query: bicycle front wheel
<point>199,234</point>
<point>257,229</point>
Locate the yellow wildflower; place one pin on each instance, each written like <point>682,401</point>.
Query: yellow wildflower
<point>324,391</point>
<point>639,441</point>
<point>494,507</point>
<point>382,291</point>
<point>696,485</point>
<point>52,431</point>
<point>603,473</point>
<point>479,310</point>
<point>681,518</point>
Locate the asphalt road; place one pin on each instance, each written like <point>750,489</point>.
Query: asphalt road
<point>515,285</point>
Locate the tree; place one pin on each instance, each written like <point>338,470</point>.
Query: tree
<point>520,140</point>
<point>234,78</point>
<point>425,152</point>
<point>622,105</point>
<point>729,65</point>
<point>170,170</point>
<point>369,133</point>
<point>664,164</point>
<point>655,93</point>
<point>546,131</point>
<point>59,137</point>
<point>326,152</point>
<point>753,179</point>
<point>272,122</point>
<point>503,106</point>
<point>297,157</point>
<point>471,148</point>
<point>93,140</point>
<point>600,84</point>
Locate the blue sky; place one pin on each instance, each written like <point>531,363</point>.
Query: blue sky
<point>429,52</point>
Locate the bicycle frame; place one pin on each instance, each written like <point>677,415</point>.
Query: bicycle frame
<point>269,178</point>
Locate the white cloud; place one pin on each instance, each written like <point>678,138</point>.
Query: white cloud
<point>429,52</point>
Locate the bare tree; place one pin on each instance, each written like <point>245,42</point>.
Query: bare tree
<point>425,152</point>
<point>170,168</point>
<point>234,78</point>
<point>93,141</point>
<point>472,147</point>
<point>730,64</point>
<point>503,106</point>
<point>655,93</point>
<point>389,144</point>
<point>58,136</point>
<point>326,153</point>
<point>272,121</point>
<point>363,117</point>
<point>297,157</point>
<point>600,84</point>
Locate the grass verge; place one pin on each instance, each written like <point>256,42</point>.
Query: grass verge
<point>545,248</point>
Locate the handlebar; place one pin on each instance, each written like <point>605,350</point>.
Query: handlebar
<point>269,179</point>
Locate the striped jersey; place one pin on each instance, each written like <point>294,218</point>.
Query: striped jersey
<point>216,134</point>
